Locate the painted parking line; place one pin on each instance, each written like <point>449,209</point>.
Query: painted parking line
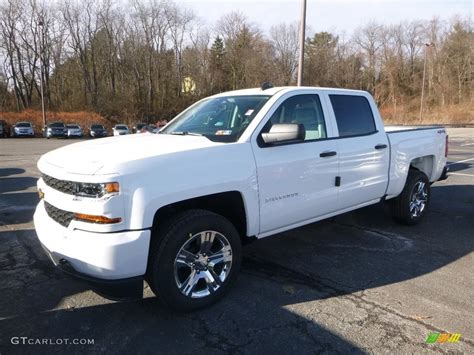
<point>461,174</point>
<point>460,161</point>
<point>457,150</point>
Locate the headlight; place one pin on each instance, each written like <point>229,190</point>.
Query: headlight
<point>96,190</point>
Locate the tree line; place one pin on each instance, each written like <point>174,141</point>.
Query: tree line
<point>148,59</point>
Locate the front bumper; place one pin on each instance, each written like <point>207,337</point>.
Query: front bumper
<point>24,134</point>
<point>56,134</point>
<point>120,289</point>
<point>113,263</point>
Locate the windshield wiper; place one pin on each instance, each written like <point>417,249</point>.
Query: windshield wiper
<point>185,133</point>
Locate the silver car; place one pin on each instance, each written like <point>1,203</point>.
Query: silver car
<point>120,130</point>
<point>22,129</point>
<point>74,130</point>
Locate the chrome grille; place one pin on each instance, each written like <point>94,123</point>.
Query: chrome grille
<point>64,186</point>
<point>58,215</point>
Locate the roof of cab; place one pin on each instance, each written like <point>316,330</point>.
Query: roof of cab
<point>274,90</point>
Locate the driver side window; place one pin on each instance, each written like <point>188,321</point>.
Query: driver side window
<point>301,109</point>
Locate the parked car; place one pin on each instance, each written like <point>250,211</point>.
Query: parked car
<point>151,128</point>
<point>97,130</point>
<point>22,129</point>
<point>138,128</point>
<point>120,130</point>
<point>4,129</point>
<point>173,208</point>
<point>55,129</point>
<point>74,130</point>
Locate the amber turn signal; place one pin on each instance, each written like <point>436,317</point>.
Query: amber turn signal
<point>96,219</point>
<point>112,187</point>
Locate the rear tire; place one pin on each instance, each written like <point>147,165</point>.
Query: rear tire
<point>194,260</point>
<point>410,206</point>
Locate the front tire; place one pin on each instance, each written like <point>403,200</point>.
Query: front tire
<point>410,206</point>
<point>194,260</point>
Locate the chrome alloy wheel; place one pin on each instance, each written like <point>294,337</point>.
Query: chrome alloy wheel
<point>203,264</point>
<point>418,199</point>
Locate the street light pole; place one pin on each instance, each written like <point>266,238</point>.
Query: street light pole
<point>41,72</point>
<point>427,45</point>
<point>302,39</point>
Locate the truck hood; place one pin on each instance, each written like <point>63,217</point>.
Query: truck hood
<point>87,158</point>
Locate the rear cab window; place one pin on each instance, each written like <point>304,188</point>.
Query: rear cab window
<point>353,114</point>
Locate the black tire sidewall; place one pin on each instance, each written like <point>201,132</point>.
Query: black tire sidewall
<point>162,267</point>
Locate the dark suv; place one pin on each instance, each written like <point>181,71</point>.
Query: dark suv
<point>55,129</point>
<point>97,130</point>
<point>138,128</point>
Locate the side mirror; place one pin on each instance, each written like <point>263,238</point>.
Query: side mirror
<point>284,133</point>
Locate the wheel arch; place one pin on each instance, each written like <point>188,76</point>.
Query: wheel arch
<point>229,204</point>
<point>425,164</point>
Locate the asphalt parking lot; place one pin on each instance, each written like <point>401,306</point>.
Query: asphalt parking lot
<point>356,283</point>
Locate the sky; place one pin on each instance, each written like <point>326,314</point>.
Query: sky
<point>337,16</point>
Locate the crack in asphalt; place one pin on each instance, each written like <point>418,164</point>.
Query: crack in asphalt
<point>215,340</point>
<point>269,270</point>
<point>406,243</point>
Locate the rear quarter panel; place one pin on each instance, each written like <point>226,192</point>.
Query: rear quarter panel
<point>409,145</point>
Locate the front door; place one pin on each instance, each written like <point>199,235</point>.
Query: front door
<point>297,181</point>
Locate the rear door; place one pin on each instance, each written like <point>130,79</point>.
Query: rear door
<point>296,181</point>
<point>363,150</point>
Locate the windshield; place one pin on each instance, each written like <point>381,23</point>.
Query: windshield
<point>97,126</point>
<point>23,124</point>
<point>57,124</point>
<point>140,125</point>
<point>74,126</point>
<point>221,119</point>
<point>120,127</point>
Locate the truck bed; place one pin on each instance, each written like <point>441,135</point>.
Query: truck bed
<point>421,146</point>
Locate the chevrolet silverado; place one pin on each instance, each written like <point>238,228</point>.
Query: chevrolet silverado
<point>173,208</point>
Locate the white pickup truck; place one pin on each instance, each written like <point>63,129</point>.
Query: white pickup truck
<point>173,208</point>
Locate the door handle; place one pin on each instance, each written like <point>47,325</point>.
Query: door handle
<point>380,146</point>
<point>328,154</point>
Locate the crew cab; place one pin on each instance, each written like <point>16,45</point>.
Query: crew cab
<point>173,208</point>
